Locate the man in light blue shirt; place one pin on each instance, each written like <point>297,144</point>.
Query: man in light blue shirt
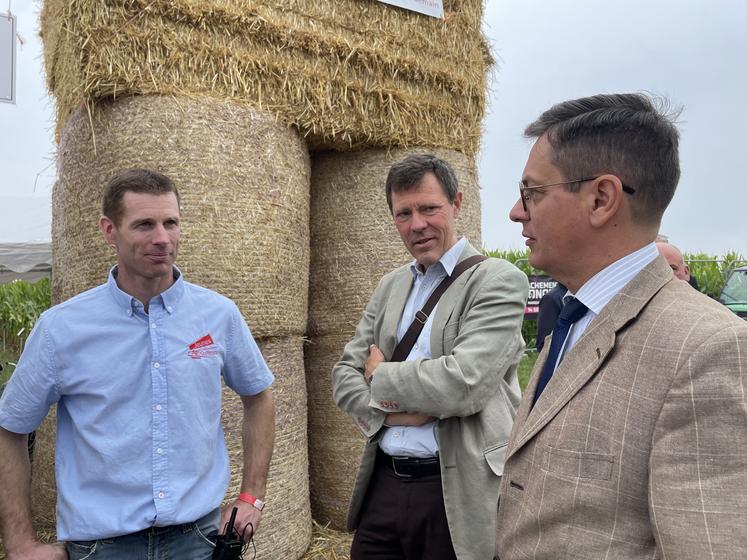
<point>135,367</point>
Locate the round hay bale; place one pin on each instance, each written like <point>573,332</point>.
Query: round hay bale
<point>244,184</point>
<point>285,531</point>
<point>335,443</point>
<point>353,236</point>
<point>347,73</point>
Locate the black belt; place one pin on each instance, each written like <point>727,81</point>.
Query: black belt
<point>409,467</point>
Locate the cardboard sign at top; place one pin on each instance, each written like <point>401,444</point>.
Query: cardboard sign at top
<point>433,8</point>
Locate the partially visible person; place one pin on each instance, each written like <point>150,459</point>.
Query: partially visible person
<point>631,438</point>
<point>549,309</point>
<point>677,262</point>
<point>436,411</point>
<point>136,367</point>
<point>675,259</point>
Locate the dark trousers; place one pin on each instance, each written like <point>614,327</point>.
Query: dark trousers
<point>402,518</point>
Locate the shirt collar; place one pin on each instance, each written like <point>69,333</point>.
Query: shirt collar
<point>448,260</point>
<point>608,282</point>
<point>170,297</point>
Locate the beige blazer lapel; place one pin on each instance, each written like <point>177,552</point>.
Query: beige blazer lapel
<point>589,353</point>
<point>395,306</point>
<point>448,302</point>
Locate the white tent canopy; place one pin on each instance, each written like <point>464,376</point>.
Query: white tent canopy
<point>25,261</point>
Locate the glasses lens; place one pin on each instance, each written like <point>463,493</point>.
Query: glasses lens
<point>521,196</point>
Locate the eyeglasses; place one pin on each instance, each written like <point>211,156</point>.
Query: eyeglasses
<point>526,196</point>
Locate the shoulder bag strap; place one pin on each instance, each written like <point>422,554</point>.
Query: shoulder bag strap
<point>413,331</point>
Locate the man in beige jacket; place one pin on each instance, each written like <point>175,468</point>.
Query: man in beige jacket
<point>631,438</point>
<point>438,421</point>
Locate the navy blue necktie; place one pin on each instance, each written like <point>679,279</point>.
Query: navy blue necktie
<point>571,312</point>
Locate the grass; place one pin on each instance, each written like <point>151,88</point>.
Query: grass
<point>6,358</point>
<point>525,368</point>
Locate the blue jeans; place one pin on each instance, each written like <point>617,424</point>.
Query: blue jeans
<point>190,541</point>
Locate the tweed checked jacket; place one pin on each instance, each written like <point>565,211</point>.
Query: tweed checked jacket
<point>637,448</point>
<point>469,384</point>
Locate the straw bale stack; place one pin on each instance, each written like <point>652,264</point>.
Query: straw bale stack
<point>244,183</point>
<point>348,73</point>
<point>354,244</point>
<point>335,444</point>
<point>286,522</point>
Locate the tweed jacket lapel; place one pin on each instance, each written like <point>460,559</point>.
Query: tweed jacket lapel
<point>589,353</point>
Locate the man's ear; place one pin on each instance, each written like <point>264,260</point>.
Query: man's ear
<point>607,196</point>
<point>107,228</point>
<point>457,203</point>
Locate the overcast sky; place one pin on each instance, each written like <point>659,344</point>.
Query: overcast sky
<point>691,52</point>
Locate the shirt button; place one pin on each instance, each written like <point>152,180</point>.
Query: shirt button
<point>152,325</point>
<point>169,308</point>
<point>156,365</point>
<point>158,407</point>
<point>161,494</point>
<point>159,450</point>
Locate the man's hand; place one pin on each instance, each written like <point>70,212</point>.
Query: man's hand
<point>375,357</point>
<point>19,537</point>
<point>38,551</point>
<point>407,419</point>
<point>247,519</point>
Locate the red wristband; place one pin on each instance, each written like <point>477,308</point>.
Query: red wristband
<point>252,501</point>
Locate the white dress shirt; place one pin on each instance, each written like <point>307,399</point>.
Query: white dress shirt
<point>603,286</point>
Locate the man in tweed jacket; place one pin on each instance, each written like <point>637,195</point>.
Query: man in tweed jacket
<point>637,446</point>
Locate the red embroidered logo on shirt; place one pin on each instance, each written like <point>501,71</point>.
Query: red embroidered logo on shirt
<point>202,348</point>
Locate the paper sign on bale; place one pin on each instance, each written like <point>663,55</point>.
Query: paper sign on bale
<point>348,73</point>
<point>354,243</point>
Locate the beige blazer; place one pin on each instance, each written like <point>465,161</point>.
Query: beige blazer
<point>470,385</point>
<point>637,448</point>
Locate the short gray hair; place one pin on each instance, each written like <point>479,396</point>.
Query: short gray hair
<point>630,135</point>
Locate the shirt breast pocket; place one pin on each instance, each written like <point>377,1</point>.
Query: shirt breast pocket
<point>578,464</point>
<point>201,372</point>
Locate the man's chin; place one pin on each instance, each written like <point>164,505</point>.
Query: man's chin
<point>535,260</point>
<point>160,269</point>
<point>425,260</point>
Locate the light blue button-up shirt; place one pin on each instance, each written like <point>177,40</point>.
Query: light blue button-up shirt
<point>139,437</point>
<point>420,441</point>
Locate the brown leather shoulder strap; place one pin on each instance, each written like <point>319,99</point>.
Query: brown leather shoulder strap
<point>421,317</point>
